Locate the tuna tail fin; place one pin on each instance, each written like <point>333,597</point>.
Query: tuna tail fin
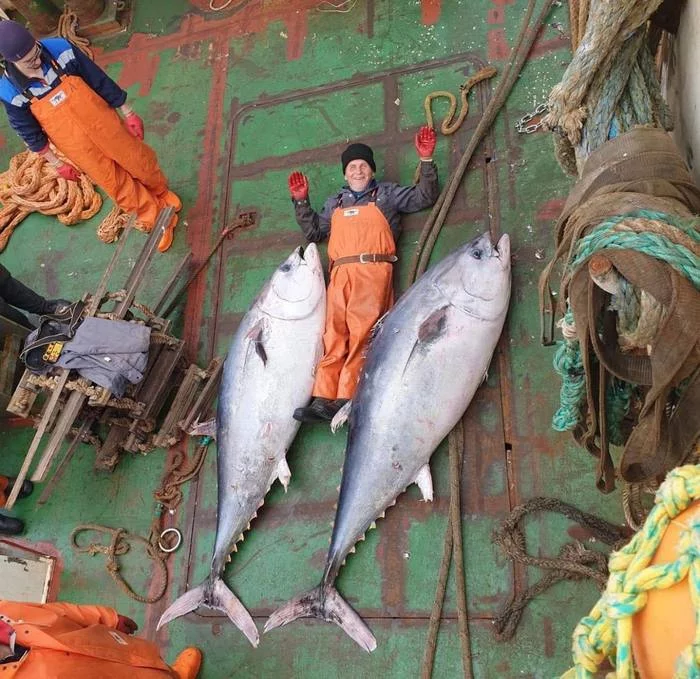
<point>218,596</point>
<point>325,603</point>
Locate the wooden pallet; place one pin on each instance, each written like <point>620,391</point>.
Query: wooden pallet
<point>148,416</point>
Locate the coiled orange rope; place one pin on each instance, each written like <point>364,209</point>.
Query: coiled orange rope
<point>32,185</point>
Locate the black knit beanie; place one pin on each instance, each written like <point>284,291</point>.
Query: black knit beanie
<point>358,152</point>
<point>15,40</point>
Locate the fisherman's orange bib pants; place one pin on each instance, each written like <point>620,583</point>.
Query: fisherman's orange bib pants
<point>84,128</point>
<point>358,295</point>
<point>67,641</point>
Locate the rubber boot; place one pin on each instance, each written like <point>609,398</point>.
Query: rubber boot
<point>26,490</point>
<point>173,200</point>
<point>168,236</point>
<point>10,525</point>
<point>319,410</point>
<point>187,664</point>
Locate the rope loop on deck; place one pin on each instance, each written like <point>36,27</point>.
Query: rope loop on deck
<point>119,544</point>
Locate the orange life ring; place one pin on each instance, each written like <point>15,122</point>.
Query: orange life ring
<point>665,627</point>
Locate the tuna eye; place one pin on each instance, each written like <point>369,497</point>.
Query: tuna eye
<point>476,254</point>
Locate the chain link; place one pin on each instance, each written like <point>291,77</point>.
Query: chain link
<point>522,124</point>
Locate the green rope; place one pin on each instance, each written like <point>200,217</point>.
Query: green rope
<point>567,359</point>
<point>618,399</point>
<point>688,226</point>
<point>652,244</point>
<point>569,366</point>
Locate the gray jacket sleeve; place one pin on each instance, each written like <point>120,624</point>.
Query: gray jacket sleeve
<point>418,196</point>
<point>315,226</point>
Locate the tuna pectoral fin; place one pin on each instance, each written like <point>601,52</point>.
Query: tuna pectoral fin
<point>256,335</point>
<point>218,597</point>
<point>424,481</point>
<point>326,604</point>
<point>283,473</point>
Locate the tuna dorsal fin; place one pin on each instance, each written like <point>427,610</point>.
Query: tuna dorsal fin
<point>255,335</point>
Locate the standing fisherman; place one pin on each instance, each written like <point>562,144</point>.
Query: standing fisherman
<point>53,93</point>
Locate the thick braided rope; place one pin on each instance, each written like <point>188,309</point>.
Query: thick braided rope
<point>606,632</point>
<point>652,244</point>
<point>689,239</point>
<point>32,185</point>
<point>666,237</point>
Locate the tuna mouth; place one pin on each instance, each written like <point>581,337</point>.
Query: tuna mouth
<point>502,247</point>
<point>308,256</point>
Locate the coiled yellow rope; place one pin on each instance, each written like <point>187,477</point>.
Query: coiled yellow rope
<point>606,632</point>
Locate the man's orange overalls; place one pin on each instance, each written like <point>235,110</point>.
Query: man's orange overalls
<point>92,136</point>
<point>359,293</point>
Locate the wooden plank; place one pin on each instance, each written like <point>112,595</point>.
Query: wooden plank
<point>180,406</point>
<point>29,457</point>
<point>108,456</point>
<point>156,389</point>
<point>63,426</point>
<point>23,397</point>
<point>64,462</point>
<point>206,396</point>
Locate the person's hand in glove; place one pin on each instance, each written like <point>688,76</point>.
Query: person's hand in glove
<point>68,172</point>
<point>126,625</point>
<point>64,169</point>
<point>298,186</point>
<point>134,124</point>
<point>425,142</point>
<point>7,634</point>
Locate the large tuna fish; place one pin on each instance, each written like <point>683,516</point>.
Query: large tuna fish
<point>426,359</point>
<point>269,371</point>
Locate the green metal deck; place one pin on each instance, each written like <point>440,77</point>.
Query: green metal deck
<point>233,101</point>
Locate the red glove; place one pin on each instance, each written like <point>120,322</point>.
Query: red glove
<point>68,172</point>
<point>298,186</point>
<point>126,625</point>
<point>134,124</point>
<point>425,142</point>
<point>6,632</point>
